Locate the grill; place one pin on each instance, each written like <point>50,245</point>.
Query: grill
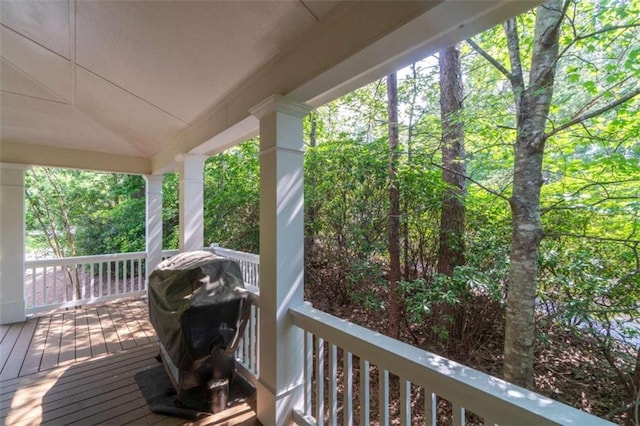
<point>199,308</point>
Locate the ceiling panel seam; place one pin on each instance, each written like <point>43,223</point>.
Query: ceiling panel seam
<point>34,97</point>
<point>132,94</point>
<point>309,10</point>
<point>33,41</point>
<point>36,81</point>
<point>111,132</point>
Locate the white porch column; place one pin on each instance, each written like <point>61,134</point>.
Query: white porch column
<point>154,222</point>
<point>191,192</point>
<point>281,257</point>
<point>12,243</point>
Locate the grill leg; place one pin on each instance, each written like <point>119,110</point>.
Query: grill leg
<point>223,365</point>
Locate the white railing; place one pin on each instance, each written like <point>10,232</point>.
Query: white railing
<point>336,348</point>
<point>248,347</point>
<point>73,281</point>
<point>249,263</point>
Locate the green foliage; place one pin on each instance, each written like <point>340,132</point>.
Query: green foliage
<point>170,212</point>
<point>75,213</point>
<point>581,282</point>
<point>231,210</point>
<point>121,227</point>
<point>351,214</point>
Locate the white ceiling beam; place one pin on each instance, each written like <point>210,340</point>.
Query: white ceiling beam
<point>40,155</point>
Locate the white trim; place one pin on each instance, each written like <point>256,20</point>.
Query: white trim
<point>12,312</point>
<point>79,260</point>
<point>14,166</point>
<point>182,157</point>
<point>280,103</point>
<point>231,136</point>
<point>271,149</point>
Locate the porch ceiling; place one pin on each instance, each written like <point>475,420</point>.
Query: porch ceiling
<point>126,86</point>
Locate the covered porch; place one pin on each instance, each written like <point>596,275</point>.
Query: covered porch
<point>147,88</point>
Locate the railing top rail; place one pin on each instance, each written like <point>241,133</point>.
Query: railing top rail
<point>254,294</point>
<point>78,260</point>
<point>483,394</point>
<point>249,257</point>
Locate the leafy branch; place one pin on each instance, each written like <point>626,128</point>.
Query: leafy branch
<point>632,94</point>
<point>601,31</point>
<point>592,237</point>
<point>473,181</point>
<point>591,185</point>
<point>491,59</point>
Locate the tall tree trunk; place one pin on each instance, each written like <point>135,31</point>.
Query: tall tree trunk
<point>452,220</point>
<point>394,203</point>
<point>532,108</point>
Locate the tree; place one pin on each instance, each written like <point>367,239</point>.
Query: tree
<point>310,199</point>
<point>452,217</point>
<point>533,100</point>
<point>532,110</point>
<point>451,247</point>
<point>48,210</point>
<point>394,204</point>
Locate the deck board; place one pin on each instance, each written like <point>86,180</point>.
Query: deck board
<point>68,342</point>
<point>122,329</point>
<point>52,345</point>
<point>82,408</point>
<point>135,329</point>
<point>82,370</point>
<point>19,351</point>
<point>98,345</point>
<point>3,331</point>
<point>8,343</point>
<point>83,342</point>
<point>77,367</point>
<point>135,306</point>
<point>36,350</point>
<point>110,336</point>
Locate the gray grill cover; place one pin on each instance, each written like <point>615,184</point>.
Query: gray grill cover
<point>195,304</point>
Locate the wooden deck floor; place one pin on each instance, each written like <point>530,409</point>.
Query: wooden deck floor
<point>78,367</point>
